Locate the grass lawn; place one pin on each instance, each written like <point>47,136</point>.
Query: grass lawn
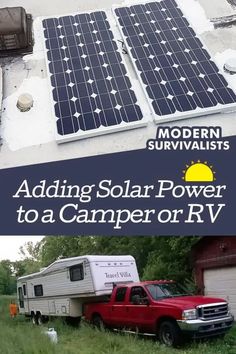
<point>19,336</point>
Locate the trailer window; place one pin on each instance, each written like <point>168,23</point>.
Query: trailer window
<point>38,290</point>
<point>120,294</point>
<point>77,272</point>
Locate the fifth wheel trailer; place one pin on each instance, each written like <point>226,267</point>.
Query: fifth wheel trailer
<point>66,285</point>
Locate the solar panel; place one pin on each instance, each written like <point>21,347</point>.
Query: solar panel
<point>178,75</point>
<point>91,90</point>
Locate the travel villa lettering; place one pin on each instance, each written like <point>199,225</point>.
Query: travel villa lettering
<point>200,202</point>
<point>117,275</point>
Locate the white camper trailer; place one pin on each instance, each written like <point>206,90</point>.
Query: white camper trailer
<point>63,287</point>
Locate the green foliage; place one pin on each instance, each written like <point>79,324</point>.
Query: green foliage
<point>18,337</point>
<point>7,278</point>
<point>55,247</point>
<point>10,271</point>
<point>26,266</point>
<point>170,259</point>
<point>31,261</point>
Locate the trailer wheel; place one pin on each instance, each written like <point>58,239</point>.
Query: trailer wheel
<point>97,322</point>
<point>170,334</point>
<point>34,319</point>
<point>40,319</point>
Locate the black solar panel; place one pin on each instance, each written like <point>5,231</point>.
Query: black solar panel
<point>91,90</point>
<point>177,72</point>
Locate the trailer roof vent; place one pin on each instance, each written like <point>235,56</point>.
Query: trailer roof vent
<point>15,31</point>
<point>230,66</point>
<point>25,102</point>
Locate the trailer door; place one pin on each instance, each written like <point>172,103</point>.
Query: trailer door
<point>23,298</point>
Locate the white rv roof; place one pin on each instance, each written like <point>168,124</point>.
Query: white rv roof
<point>28,138</point>
<point>99,258</point>
<point>67,262</point>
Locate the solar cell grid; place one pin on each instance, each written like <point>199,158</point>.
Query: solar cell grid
<point>176,70</point>
<point>91,90</point>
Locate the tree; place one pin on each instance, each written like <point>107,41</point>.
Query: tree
<point>31,250</point>
<point>170,259</point>
<point>7,278</point>
<point>26,266</point>
<point>56,247</point>
<point>31,261</point>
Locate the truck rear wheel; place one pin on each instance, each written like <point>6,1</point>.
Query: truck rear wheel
<point>97,321</point>
<point>170,334</point>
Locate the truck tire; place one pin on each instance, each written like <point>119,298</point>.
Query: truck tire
<point>170,334</point>
<point>97,322</point>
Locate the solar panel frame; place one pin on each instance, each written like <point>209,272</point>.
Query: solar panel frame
<point>102,130</point>
<point>178,115</point>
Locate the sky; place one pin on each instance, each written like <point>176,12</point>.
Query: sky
<point>10,245</point>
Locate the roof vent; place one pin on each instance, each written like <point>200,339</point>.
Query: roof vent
<point>230,66</point>
<point>15,31</point>
<point>25,102</point>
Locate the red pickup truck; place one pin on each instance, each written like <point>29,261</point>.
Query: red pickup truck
<point>162,308</point>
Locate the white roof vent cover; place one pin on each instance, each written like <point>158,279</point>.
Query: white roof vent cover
<point>25,102</point>
<point>230,65</point>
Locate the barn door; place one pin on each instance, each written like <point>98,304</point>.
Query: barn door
<point>221,282</point>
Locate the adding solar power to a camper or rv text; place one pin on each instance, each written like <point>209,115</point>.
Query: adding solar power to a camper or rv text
<point>91,90</point>
<point>176,71</point>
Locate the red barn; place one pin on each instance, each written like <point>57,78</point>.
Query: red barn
<point>214,260</point>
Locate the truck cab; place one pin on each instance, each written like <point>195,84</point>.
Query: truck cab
<point>162,308</point>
